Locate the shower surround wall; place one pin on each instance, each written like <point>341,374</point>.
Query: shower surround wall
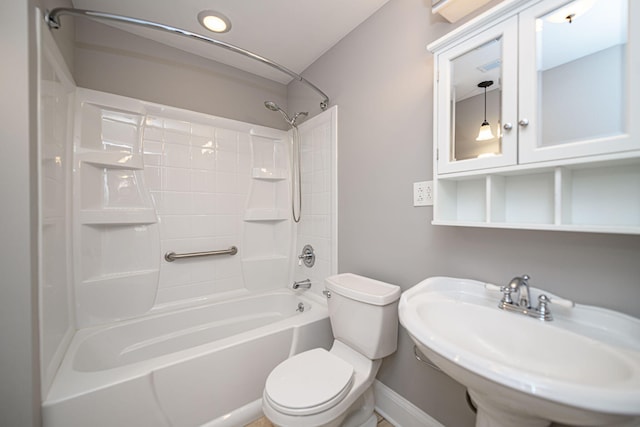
<point>55,108</point>
<point>318,148</point>
<point>123,181</point>
<point>153,180</point>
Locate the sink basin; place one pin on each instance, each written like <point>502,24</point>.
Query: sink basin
<point>582,368</point>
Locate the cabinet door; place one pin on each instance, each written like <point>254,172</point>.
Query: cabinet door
<point>578,86</point>
<point>485,62</point>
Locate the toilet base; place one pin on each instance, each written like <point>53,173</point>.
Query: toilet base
<point>362,411</point>
<point>371,422</point>
<point>360,414</point>
<point>353,411</point>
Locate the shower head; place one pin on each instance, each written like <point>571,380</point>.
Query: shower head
<point>274,107</point>
<point>271,105</point>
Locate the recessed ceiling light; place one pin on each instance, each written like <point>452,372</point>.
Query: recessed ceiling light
<point>214,21</point>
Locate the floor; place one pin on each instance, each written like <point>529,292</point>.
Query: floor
<point>264,422</point>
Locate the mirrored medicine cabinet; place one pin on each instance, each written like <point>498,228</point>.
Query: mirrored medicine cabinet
<point>537,107</point>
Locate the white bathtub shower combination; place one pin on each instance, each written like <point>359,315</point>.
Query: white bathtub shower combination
<point>131,339</point>
<point>201,365</point>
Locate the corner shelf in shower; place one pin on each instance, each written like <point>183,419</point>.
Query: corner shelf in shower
<point>116,228</point>
<point>118,216</point>
<point>269,174</point>
<point>112,160</point>
<point>104,174</point>
<point>267,230</point>
<point>266,214</point>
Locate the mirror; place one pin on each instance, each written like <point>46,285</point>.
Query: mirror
<point>476,97</point>
<point>580,50</point>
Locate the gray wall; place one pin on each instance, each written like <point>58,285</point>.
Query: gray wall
<point>19,372</point>
<point>381,76</point>
<point>115,61</point>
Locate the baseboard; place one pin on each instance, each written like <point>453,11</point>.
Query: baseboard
<point>398,410</point>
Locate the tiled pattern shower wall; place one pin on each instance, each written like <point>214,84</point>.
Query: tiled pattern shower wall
<point>317,225</point>
<point>199,178</point>
<point>150,180</point>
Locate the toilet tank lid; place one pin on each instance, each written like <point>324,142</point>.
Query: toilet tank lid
<point>363,289</point>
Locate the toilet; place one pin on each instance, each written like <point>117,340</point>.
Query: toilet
<point>334,388</point>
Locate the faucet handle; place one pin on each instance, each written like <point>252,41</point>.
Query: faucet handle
<point>308,257</point>
<point>543,308</point>
<point>506,295</point>
<point>506,292</point>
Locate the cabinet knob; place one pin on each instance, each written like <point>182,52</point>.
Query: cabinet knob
<point>507,126</point>
<point>523,122</point>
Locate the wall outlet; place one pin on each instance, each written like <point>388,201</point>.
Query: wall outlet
<point>423,193</point>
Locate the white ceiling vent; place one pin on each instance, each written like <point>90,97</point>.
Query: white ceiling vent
<point>453,10</point>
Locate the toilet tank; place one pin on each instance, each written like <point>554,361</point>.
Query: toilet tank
<point>364,314</point>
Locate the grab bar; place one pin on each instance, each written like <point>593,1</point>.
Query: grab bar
<point>172,256</point>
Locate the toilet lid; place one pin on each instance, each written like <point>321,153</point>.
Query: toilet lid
<point>309,383</point>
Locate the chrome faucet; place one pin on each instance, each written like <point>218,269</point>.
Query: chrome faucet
<point>305,284</point>
<point>521,286</point>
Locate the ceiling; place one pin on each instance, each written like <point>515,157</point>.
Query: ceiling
<point>292,33</point>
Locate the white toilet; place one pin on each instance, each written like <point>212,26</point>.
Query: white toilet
<point>334,388</point>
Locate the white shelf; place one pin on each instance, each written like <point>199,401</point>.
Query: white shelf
<point>547,227</point>
<point>118,216</point>
<point>596,197</point>
<point>116,250</point>
<point>266,214</point>
<point>269,174</point>
<point>113,160</point>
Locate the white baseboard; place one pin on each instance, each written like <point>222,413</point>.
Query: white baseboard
<point>398,410</point>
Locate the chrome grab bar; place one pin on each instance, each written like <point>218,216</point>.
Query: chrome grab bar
<point>172,256</point>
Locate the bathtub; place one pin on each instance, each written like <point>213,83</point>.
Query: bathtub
<point>203,365</point>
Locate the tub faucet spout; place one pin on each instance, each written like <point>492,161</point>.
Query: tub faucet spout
<point>305,284</point>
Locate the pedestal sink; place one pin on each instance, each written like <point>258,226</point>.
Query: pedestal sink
<point>582,368</point>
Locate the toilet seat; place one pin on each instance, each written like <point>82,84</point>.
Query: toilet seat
<point>309,383</point>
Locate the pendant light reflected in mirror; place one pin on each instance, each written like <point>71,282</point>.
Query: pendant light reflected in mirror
<point>485,132</point>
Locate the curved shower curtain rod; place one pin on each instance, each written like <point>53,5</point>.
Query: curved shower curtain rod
<point>53,21</point>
